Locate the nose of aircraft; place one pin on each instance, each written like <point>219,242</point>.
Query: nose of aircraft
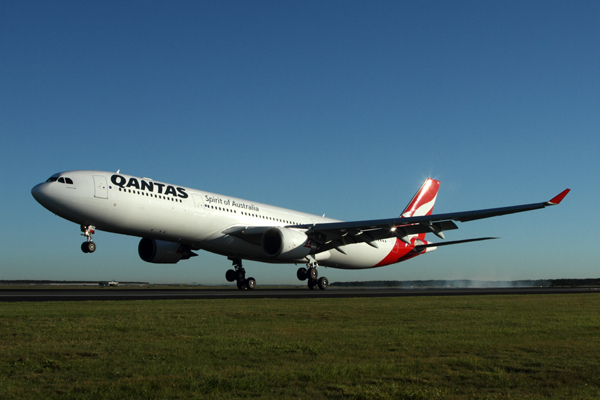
<point>36,191</point>
<point>39,192</point>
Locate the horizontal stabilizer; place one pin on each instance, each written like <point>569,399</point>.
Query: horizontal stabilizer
<point>420,247</point>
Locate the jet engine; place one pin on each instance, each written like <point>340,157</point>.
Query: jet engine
<point>162,252</point>
<point>285,243</point>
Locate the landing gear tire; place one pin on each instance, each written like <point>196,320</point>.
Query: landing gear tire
<point>240,275</point>
<point>323,283</point>
<point>302,274</point>
<point>230,275</point>
<point>312,284</point>
<point>312,274</point>
<point>251,283</point>
<point>88,247</point>
<point>88,231</point>
<point>241,285</point>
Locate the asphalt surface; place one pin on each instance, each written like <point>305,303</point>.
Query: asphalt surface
<point>120,294</point>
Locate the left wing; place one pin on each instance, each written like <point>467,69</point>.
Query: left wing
<point>336,234</point>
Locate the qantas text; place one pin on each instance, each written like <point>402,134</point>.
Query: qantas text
<point>122,182</point>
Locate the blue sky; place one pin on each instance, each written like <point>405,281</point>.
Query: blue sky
<point>335,107</point>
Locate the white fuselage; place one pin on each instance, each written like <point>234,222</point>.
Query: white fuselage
<point>128,205</point>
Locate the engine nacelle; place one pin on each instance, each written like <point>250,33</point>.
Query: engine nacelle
<point>288,244</point>
<point>162,252</point>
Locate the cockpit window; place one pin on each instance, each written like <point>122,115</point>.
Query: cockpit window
<point>52,179</point>
<point>62,179</point>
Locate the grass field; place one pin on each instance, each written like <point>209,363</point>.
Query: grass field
<point>473,347</point>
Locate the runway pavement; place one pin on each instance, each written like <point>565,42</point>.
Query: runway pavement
<point>120,294</point>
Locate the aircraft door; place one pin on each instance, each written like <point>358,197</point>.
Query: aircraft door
<point>100,187</point>
<point>198,205</point>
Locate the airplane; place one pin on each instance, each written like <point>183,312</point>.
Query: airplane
<point>174,221</point>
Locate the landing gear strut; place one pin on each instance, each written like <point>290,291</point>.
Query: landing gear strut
<point>238,274</point>
<point>310,273</point>
<point>88,231</point>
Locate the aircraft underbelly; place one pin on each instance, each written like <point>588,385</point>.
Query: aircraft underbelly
<point>232,247</point>
<point>359,255</point>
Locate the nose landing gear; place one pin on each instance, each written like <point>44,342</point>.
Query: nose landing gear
<point>88,231</point>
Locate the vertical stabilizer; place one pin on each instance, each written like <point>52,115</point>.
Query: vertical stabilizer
<point>422,203</point>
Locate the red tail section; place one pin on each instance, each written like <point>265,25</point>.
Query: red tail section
<point>422,203</point>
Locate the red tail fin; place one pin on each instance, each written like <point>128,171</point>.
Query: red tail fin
<point>422,203</point>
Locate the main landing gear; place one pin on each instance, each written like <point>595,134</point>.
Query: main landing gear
<point>310,273</point>
<point>238,274</point>
<point>88,231</point>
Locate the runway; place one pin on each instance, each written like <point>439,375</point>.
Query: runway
<point>121,294</point>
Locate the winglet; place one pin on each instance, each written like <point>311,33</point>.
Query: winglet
<point>556,200</point>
